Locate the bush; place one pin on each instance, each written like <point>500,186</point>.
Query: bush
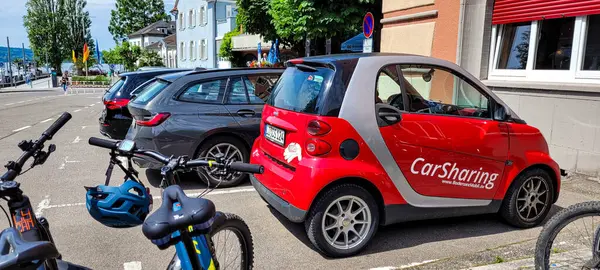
<point>100,78</point>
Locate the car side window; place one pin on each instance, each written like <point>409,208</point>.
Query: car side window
<point>237,92</point>
<point>259,87</point>
<point>388,89</point>
<point>205,92</point>
<point>438,91</point>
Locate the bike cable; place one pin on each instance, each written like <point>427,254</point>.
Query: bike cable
<point>7,217</point>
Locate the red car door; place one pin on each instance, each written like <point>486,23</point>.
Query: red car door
<point>446,144</point>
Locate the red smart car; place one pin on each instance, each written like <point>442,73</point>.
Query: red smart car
<point>352,142</point>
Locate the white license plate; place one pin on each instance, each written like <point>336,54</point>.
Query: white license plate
<point>275,135</point>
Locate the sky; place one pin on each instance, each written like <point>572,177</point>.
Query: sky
<point>11,22</point>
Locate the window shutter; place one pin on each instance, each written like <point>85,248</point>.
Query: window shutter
<point>513,11</point>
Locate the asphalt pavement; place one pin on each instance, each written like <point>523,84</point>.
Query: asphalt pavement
<point>57,192</point>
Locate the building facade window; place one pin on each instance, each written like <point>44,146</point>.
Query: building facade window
<point>202,16</point>
<point>182,51</point>
<point>191,18</point>
<point>204,49</point>
<point>181,21</point>
<point>550,50</point>
<point>192,50</point>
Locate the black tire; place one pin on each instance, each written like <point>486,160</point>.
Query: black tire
<point>313,227</point>
<point>556,224</point>
<point>237,225</point>
<point>508,210</point>
<point>207,145</point>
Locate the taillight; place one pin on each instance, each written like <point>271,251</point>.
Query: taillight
<point>318,128</point>
<point>317,147</point>
<point>116,103</point>
<point>156,120</point>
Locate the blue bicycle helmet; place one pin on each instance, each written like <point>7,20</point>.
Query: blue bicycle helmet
<point>124,206</point>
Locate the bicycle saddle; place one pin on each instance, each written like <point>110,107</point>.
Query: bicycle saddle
<point>196,212</point>
<point>16,253</point>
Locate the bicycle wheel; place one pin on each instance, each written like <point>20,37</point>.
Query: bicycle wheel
<point>233,246</point>
<point>567,241</point>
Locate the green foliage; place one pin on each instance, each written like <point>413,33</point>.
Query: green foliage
<point>300,19</point>
<point>111,57</point>
<point>129,16</point>
<point>100,78</point>
<point>253,16</point>
<point>498,259</point>
<point>225,51</point>
<point>47,29</point>
<point>150,58</point>
<point>128,54</point>
<point>78,30</point>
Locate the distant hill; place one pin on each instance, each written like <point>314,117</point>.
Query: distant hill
<point>15,53</point>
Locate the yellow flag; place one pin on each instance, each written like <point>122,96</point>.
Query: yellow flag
<point>74,58</point>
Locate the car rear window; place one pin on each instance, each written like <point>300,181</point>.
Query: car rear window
<point>149,92</point>
<point>300,89</point>
<point>114,88</point>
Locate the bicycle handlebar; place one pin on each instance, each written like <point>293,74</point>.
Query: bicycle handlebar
<point>11,174</point>
<point>235,166</point>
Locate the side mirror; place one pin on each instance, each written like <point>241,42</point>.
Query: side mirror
<point>502,114</point>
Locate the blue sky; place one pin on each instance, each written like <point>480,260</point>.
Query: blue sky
<point>11,22</point>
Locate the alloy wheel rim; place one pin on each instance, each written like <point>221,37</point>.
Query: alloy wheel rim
<point>532,198</point>
<point>231,152</point>
<point>347,222</point>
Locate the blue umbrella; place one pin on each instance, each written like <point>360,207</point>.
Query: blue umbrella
<point>274,52</point>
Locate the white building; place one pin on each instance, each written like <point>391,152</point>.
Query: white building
<point>167,49</point>
<point>201,25</point>
<point>152,33</point>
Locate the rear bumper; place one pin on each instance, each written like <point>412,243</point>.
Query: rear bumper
<point>114,128</point>
<point>291,212</point>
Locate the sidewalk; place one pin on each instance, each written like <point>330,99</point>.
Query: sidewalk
<point>519,253</point>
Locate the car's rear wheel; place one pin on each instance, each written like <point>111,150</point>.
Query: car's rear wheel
<point>529,199</point>
<point>234,150</point>
<point>343,221</point>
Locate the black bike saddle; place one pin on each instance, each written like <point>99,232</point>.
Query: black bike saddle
<point>16,253</point>
<point>165,221</point>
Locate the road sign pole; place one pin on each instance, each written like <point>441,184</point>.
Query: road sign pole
<point>368,28</point>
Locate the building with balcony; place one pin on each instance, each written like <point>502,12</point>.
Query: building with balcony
<point>201,25</point>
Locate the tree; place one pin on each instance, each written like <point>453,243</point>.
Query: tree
<point>78,29</point>
<point>111,57</point>
<point>292,21</point>
<point>128,54</point>
<point>129,16</point>
<point>46,30</point>
<point>150,58</point>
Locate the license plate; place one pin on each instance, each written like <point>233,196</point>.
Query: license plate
<point>275,135</point>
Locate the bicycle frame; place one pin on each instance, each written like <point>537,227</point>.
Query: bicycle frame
<point>194,252</point>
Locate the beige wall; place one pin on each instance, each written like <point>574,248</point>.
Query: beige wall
<point>411,38</point>
<point>393,5</point>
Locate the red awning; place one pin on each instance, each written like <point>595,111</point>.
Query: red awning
<point>512,11</point>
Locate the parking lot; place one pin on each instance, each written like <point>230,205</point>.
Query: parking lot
<point>57,191</point>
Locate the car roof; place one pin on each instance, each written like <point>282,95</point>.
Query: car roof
<point>170,77</point>
<point>208,73</point>
<point>153,71</point>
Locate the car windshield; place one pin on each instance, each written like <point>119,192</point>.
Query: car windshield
<point>299,90</point>
<point>149,92</point>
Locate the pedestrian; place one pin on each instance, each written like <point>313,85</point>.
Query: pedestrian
<point>28,79</point>
<point>65,81</point>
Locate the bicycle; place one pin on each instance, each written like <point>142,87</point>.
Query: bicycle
<point>28,243</point>
<point>190,224</point>
<point>581,250</point>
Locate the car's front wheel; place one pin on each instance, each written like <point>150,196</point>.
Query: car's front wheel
<point>529,199</point>
<point>343,221</point>
<point>233,150</point>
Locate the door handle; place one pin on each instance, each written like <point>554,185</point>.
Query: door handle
<point>246,113</point>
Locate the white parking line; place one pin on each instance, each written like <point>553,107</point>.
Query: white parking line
<point>8,104</point>
<point>132,266</point>
<point>47,120</point>
<point>403,266</point>
<point>92,104</point>
<point>77,139</point>
<point>78,110</point>
<point>20,101</point>
<point>23,128</point>
<point>98,102</point>
<point>42,205</point>
<point>218,192</point>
